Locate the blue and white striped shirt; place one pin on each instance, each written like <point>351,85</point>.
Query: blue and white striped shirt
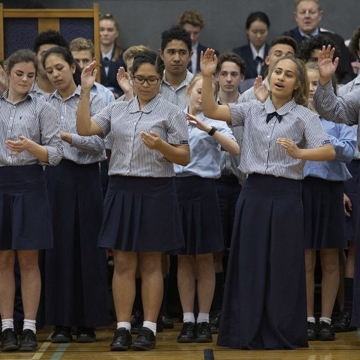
<point>124,120</point>
<point>83,149</point>
<point>35,119</point>
<point>260,153</point>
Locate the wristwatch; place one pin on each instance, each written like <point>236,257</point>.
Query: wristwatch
<point>212,131</point>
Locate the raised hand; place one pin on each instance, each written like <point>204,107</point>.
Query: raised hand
<point>260,89</point>
<point>88,76</point>
<point>123,79</point>
<point>197,122</point>
<point>208,62</point>
<point>327,66</point>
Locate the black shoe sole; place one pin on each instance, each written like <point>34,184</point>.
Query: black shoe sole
<point>85,340</point>
<point>10,348</point>
<point>203,340</point>
<point>119,348</point>
<point>61,340</point>
<point>28,348</point>
<point>139,347</point>
<point>185,341</point>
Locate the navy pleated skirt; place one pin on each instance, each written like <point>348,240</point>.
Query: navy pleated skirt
<point>141,215</point>
<point>75,274</point>
<point>200,215</point>
<point>25,216</point>
<point>264,303</point>
<point>324,218</point>
<point>351,191</point>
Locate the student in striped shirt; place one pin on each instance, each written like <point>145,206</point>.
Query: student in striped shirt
<point>265,297</point>
<point>29,138</point>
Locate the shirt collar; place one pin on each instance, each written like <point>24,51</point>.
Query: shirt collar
<point>148,108</point>
<point>185,82</point>
<point>270,108</point>
<point>314,33</point>
<point>57,95</point>
<point>30,94</point>
<point>260,53</point>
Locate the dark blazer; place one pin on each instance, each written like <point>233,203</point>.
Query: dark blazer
<point>109,80</point>
<point>200,48</point>
<point>251,65</point>
<point>344,71</point>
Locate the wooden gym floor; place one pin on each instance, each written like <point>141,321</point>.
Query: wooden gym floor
<point>345,347</point>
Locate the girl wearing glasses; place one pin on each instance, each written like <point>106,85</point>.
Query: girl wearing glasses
<point>141,216</point>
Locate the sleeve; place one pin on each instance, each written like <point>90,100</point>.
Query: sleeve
<point>177,131</point>
<point>50,133</point>
<point>238,113</point>
<point>314,133</point>
<point>90,144</point>
<point>343,109</point>
<point>344,143</point>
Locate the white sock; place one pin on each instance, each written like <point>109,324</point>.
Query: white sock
<point>311,319</point>
<point>123,324</point>
<point>30,325</point>
<point>325,319</point>
<point>202,317</point>
<point>7,324</point>
<point>189,317</point>
<point>150,325</point>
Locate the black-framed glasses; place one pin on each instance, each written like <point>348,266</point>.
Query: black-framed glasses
<point>141,80</point>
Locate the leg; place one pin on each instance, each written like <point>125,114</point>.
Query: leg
<point>329,287</point>
<point>152,294</point>
<point>186,284</point>
<point>123,285</point>
<point>7,283</point>
<point>125,264</point>
<point>30,282</point>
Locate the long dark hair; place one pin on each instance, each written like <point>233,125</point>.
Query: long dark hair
<point>66,55</point>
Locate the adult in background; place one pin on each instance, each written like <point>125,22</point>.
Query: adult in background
<point>308,15</point>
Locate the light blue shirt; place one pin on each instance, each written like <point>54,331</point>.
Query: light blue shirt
<point>204,151</point>
<point>343,138</point>
<point>106,94</point>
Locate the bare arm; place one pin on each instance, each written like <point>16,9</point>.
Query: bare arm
<point>85,125</point>
<point>177,154</point>
<point>210,107</point>
<point>322,153</point>
<point>230,145</point>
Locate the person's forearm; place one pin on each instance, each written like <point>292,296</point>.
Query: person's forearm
<point>176,154</point>
<point>83,120</point>
<point>322,153</point>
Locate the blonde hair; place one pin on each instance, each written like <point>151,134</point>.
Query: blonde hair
<point>198,77</point>
<point>81,44</point>
<point>132,51</point>
<point>301,94</point>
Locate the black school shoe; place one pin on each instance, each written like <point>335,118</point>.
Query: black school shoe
<point>145,340</point>
<point>122,340</point>
<point>9,341</point>
<point>28,341</point>
<point>85,335</point>
<point>187,333</point>
<point>312,331</point>
<point>61,334</point>
<point>342,323</point>
<point>203,333</point>
<point>325,332</point>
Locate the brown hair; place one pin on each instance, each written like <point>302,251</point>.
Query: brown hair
<point>132,51</point>
<point>193,18</point>
<point>118,50</point>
